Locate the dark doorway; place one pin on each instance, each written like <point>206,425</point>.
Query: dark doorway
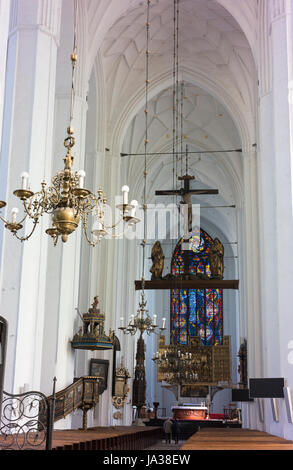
<point>3,343</point>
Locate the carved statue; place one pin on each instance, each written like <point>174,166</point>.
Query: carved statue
<point>242,367</point>
<point>216,258</point>
<point>95,303</point>
<point>158,261</point>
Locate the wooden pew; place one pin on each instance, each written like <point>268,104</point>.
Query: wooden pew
<point>235,439</point>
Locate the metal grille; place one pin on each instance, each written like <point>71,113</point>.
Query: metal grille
<point>25,422</point>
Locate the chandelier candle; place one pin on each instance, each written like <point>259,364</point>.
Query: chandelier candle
<point>125,191</point>
<point>81,175</point>
<point>24,180</point>
<point>14,213</point>
<point>133,203</point>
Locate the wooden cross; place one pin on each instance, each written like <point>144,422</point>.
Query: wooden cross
<point>186,192</point>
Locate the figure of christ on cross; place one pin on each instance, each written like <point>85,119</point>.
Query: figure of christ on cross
<point>186,192</point>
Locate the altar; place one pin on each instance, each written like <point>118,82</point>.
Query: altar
<point>190,412</point>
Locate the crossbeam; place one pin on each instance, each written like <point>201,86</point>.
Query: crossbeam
<point>167,284</point>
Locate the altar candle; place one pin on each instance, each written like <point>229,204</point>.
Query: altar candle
<point>131,319</point>
<point>121,322</point>
<point>154,319</point>
<point>163,322</point>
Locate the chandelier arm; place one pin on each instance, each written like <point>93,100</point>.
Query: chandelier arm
<point>24,218</point>
<point>3,220</point>
<point>23,239</point>
<point>91,242</point>
<point>86,206</point>
<point>7,221</point>
<point>121,234</point>
<point>42,205</point>
<point>110,227</point>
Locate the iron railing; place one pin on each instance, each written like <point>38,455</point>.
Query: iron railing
<point>26,421</point>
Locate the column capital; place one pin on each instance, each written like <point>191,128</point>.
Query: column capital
<point>277,9</point>
<point>43,15</point>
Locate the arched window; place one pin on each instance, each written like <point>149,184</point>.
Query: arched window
<point>195,312</point>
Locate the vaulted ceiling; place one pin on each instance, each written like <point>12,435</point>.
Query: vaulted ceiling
<point>211,44</point>
<point>216,62</point>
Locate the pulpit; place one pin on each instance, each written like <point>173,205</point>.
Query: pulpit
<point>190,412</point>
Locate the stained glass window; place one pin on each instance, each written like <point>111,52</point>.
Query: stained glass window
<point>195,312</point>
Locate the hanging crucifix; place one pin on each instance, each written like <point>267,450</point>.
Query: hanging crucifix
<point>186,192</point>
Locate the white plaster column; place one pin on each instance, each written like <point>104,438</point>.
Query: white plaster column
<point>106,275</point>
<point>4,26</point>
<point>63,277</point>
<point>251,285</point>
<point>27,145</point>
<point>275,196</point>
<point>281,45</point>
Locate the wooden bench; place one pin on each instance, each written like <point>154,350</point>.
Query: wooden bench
<point>235,439</point>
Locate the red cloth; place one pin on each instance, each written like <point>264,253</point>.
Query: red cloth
<point>216,415</point>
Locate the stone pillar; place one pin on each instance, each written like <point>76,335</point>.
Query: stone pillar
<point>281,48</point>
<point>63,278</point>
<point>4,25</point>
<point>27,146</point>
<point>275,195</point>
<point>251,271</point>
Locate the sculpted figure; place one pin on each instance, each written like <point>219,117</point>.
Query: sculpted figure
<point>217,259</point>
<point>158,261</point>
<point>96,302</point>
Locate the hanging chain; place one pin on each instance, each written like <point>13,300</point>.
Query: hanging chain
<point>182,117</point>
<point>147,82</point>
<point>73,62</point>
<point>70,139</point>
<point>174,96</point>
<point>177,90</point>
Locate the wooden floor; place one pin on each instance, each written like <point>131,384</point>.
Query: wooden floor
<point>235,439</point>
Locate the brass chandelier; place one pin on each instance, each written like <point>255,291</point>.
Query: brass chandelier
<point>66,200</point>
<point>177,367</point>
<point>141,321</point>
